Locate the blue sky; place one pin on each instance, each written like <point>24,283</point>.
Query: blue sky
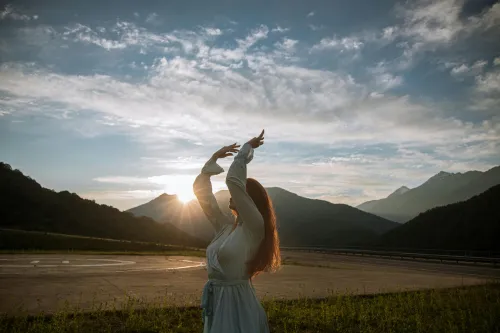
<point>120,101</point>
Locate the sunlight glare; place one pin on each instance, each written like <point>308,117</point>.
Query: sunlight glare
<point>185,195</point>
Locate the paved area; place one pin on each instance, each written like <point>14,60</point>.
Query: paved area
<point>95,264</point>
<point>48,283</point>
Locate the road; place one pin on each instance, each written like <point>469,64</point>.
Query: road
<point>48,283</point>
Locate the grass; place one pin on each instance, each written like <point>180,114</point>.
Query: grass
<point>464,309</point>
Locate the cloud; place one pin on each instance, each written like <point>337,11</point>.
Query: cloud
<point>489,82</point>
<point>287,44</point>
<point>9,12</point>
<point>254,36</point>
<point>300,104</point>
<point>117,195</point>
<point>485,96</point>
<point>280,29</point>
<point>84,34</point>
<point>316,27</point>
<point>422,27</point>
<point>213,31</point>
<point>153,19</point>
<point>390,33</point>
<point>429,25</point>
<point>383,78</point>
<point>465,70</point>
<point>432,21</point>
<point>345,43</point>
<point>169,183</point>
<point>206,85</point>
<point>388,81</point>
<point>311,14</point>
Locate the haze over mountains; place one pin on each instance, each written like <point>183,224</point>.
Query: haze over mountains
<point>442,189</point>
<point>301,221</point>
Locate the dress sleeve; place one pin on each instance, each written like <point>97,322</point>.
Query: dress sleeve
<point>236,181</point>
<point>202,188</point>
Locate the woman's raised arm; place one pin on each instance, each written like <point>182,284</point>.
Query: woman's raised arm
<point>236,181</point>
<point>202,188</point>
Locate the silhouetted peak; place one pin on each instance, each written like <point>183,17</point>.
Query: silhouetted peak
<point>399,191</point>
<point>441,175</point>
<point>165,197</point>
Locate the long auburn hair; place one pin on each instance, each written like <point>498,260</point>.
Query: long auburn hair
<point>268,257</point>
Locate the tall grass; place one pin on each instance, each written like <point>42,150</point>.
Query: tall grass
<point>465,309</point>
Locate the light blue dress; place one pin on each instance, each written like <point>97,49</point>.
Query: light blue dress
<point>229,301</point>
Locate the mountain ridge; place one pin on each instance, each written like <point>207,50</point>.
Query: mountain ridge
<point>301,221</point>
<point>441,189</point>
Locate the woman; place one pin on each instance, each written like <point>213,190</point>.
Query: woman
<point>242,247</point>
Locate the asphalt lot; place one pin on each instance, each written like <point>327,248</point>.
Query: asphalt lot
<point>48,283</point>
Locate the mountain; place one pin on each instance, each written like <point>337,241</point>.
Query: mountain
<point>187,217</point>
<point>442,189</point>
<point>27,205</point>
<point>367,206</point>
<point>399,191</point>
<point>468,225</point>
<point>301,221</point>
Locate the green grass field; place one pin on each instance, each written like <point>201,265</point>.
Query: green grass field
<point>465,309</point>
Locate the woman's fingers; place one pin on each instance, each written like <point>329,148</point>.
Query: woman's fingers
<point>261,136</point>
<point>227,151</point>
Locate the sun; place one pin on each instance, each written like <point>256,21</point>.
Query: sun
<point>185,195</point>
<point>180,185</point>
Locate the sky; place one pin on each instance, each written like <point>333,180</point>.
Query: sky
<point>120,101</point>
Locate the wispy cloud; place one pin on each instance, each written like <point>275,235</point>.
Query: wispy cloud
<point>486,95</point>
<point>466,70</point>
<point>432,24</point>
<point>287,44</point>
<point>254,36</point>
<point>314,27</point>
<point>9,12</point>
<point>311,14</point>
<point>342,44</point>
<point>280,29</point>
<point>383,78</point>
<point>153,19</point>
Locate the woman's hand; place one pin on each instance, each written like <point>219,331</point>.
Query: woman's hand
<point>257,141</point>
<point>226,151</point>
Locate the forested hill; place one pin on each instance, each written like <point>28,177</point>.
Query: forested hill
<point>29,206</point>
<point>469,225</point>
